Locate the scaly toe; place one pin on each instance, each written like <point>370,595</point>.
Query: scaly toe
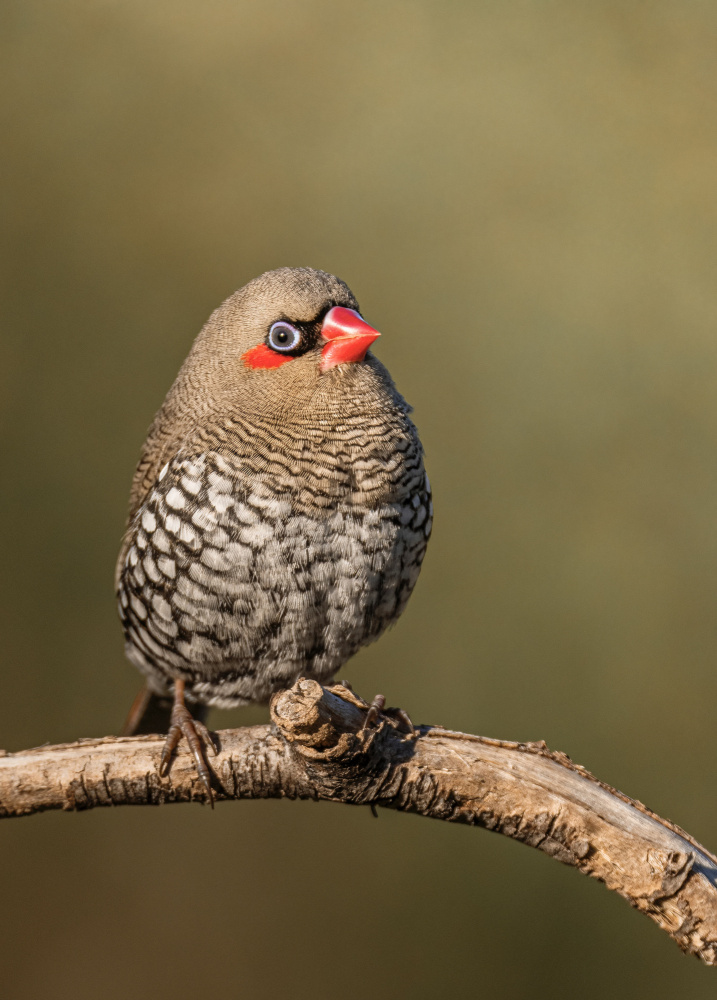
<point>374,711</point>
<point>400,719</point>
<point>198,737</point>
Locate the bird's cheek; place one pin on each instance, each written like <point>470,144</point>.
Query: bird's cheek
<point>262,356</point>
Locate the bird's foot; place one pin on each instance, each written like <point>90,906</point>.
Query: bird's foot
<point>377,708</point>
<point>182,724</point>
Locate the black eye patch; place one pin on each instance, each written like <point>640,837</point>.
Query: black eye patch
<point>291,337</point>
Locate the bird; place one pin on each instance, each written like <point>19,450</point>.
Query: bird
<point>280,510</point>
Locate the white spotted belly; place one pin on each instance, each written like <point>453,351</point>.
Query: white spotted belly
<point>238,593</point>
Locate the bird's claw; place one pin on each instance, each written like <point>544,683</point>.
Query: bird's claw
<point>377,708</point>
<point>182,724</point>
<point>374,711</point>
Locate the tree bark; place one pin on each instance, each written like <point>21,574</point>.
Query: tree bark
<point>315,748</point>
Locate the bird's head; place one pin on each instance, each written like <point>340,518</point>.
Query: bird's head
<point>286,341</point>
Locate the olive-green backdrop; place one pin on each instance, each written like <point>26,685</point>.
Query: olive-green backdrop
<point>522,196</point>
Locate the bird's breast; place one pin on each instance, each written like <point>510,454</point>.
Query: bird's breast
<point>226,573</point>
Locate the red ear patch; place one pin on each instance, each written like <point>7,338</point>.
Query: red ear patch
<point>262,356</point>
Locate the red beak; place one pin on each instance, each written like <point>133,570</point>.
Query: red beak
<point>349,337</point>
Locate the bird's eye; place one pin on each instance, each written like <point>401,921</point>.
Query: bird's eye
<point>284,337</point>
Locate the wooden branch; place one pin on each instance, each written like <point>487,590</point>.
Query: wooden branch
<point>315,748</point>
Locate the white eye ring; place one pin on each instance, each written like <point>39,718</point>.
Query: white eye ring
<point>283,337</point>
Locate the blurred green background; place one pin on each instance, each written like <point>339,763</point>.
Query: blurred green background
<point>522,196</point>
